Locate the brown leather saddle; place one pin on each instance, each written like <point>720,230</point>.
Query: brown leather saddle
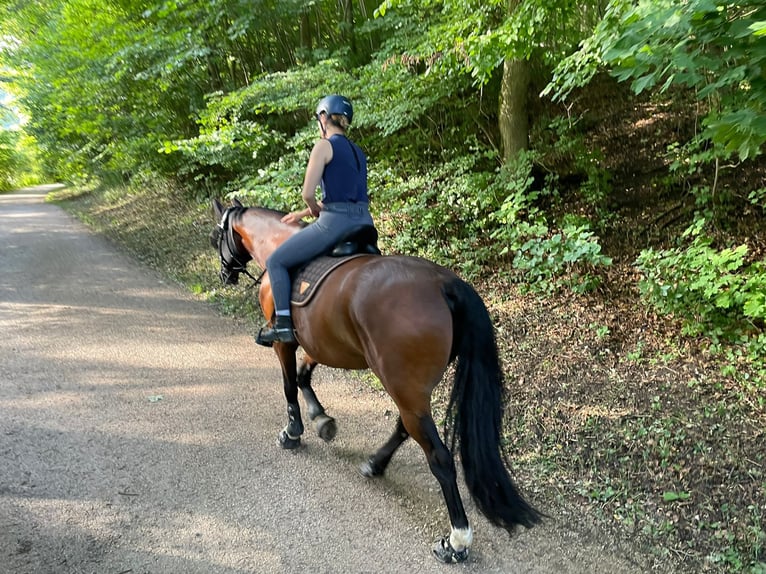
<point>362,240</point>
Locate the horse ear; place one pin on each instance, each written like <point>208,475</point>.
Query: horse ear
<point>236,202</point>
<point>217,209</point>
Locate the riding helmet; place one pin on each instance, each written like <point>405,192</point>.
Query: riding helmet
<point>336,105</point>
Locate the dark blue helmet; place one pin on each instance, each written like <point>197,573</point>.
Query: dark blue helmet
<point>336,105</point>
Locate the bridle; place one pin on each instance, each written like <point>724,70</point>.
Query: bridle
<point>235,263</point>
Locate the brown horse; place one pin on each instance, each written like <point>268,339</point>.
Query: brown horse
<point>406,319</point>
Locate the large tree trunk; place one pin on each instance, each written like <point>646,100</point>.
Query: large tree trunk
<point>513,118</point>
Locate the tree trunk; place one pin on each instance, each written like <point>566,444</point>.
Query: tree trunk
<point>306,40</point>
<point>513,118</point>
<point>348,27</point>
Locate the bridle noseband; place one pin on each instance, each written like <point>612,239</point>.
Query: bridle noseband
<point>236,263</point>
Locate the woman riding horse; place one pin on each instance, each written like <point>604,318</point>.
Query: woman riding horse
<point>339,167</point>
<point>404,318</point>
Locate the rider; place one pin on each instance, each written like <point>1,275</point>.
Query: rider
<point>339,167</point>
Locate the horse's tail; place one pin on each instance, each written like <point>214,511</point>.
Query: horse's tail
<point>475,412</point>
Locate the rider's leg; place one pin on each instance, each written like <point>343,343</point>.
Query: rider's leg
<point>314,240</point>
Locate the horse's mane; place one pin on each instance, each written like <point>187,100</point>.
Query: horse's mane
<point>275,212</point>
<point>268,211</point>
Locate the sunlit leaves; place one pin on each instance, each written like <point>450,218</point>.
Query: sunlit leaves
<point>715,48</point>
<point>475,37</point>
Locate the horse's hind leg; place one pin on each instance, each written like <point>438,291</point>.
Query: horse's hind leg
<point>378,462</point>
<point>452,548</point>
<point>324,425</point>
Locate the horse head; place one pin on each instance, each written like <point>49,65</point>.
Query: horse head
<point>232,255</point>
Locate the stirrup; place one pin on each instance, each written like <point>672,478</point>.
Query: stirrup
<point>281,331</point>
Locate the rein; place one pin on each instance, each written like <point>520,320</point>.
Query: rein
<point>256,280</point>
<point>226,237</point>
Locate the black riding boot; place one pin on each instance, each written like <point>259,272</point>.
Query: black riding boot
<point>282,331</point>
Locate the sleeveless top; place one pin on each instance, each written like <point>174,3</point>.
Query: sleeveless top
<point>345,177</point>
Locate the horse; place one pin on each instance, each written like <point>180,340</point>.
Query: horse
<point>406,319</point>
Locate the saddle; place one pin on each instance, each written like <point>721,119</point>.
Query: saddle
<point>360,241</point>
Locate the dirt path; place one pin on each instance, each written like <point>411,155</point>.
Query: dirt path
<point>137,435</point>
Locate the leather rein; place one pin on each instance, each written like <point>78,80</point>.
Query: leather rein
<point>226,239</point>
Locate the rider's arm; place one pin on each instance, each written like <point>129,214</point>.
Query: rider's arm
<point>320,156</point>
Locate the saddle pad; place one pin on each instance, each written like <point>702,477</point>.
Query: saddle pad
<point>307,279</point>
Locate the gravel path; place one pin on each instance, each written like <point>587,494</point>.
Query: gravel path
<point>137,435</point>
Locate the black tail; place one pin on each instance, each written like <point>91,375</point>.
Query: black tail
<point>475,412</point>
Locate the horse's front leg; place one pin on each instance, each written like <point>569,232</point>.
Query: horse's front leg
<point>324,425</point>
<point>290,436</point>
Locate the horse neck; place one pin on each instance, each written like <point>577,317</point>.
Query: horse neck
<point>262,231</point>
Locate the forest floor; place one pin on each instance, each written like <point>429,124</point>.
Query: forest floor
<point>653,434</point>
<point>613,413</point>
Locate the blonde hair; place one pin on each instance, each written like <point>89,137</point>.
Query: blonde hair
<point>339,120</point>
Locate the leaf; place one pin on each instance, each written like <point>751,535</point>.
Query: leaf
<point>671,496</point>
<point>643,83</point>
<point>756,306</point>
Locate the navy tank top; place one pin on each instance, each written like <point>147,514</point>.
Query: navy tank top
<point>345,177</point>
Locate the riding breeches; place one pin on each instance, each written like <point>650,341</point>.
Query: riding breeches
<point>335,221</point>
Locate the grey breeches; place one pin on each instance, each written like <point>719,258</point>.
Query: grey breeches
<point>335,221</point>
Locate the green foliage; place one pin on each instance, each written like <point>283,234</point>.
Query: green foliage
<point>714,48</point>
<point>259,135</point>
<point>440,212</point>
<point>17,167</point>
<point>474,37</point>
<point>460,215</point>
<point>82,110</point>
<point>108,82</point>
<point>716,292</point>
<point>563,259</point>
<point>9,159</point>
<point>225,153</point>
<point>278,184</point>
<point>561,148</point>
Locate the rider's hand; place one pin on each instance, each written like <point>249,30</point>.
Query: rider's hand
<point>294,216</point>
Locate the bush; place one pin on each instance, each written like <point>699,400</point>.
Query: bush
<point>468,218</point>
<point>565,258</point>
<point>716,293</point>
<point>17,167</point>
<point>9,158</point>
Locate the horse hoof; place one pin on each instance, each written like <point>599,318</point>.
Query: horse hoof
<point>288,443</point>
<point>325,427</point>
<point>444,552</point>
<point>369,470</point>
<point>366,470</point>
